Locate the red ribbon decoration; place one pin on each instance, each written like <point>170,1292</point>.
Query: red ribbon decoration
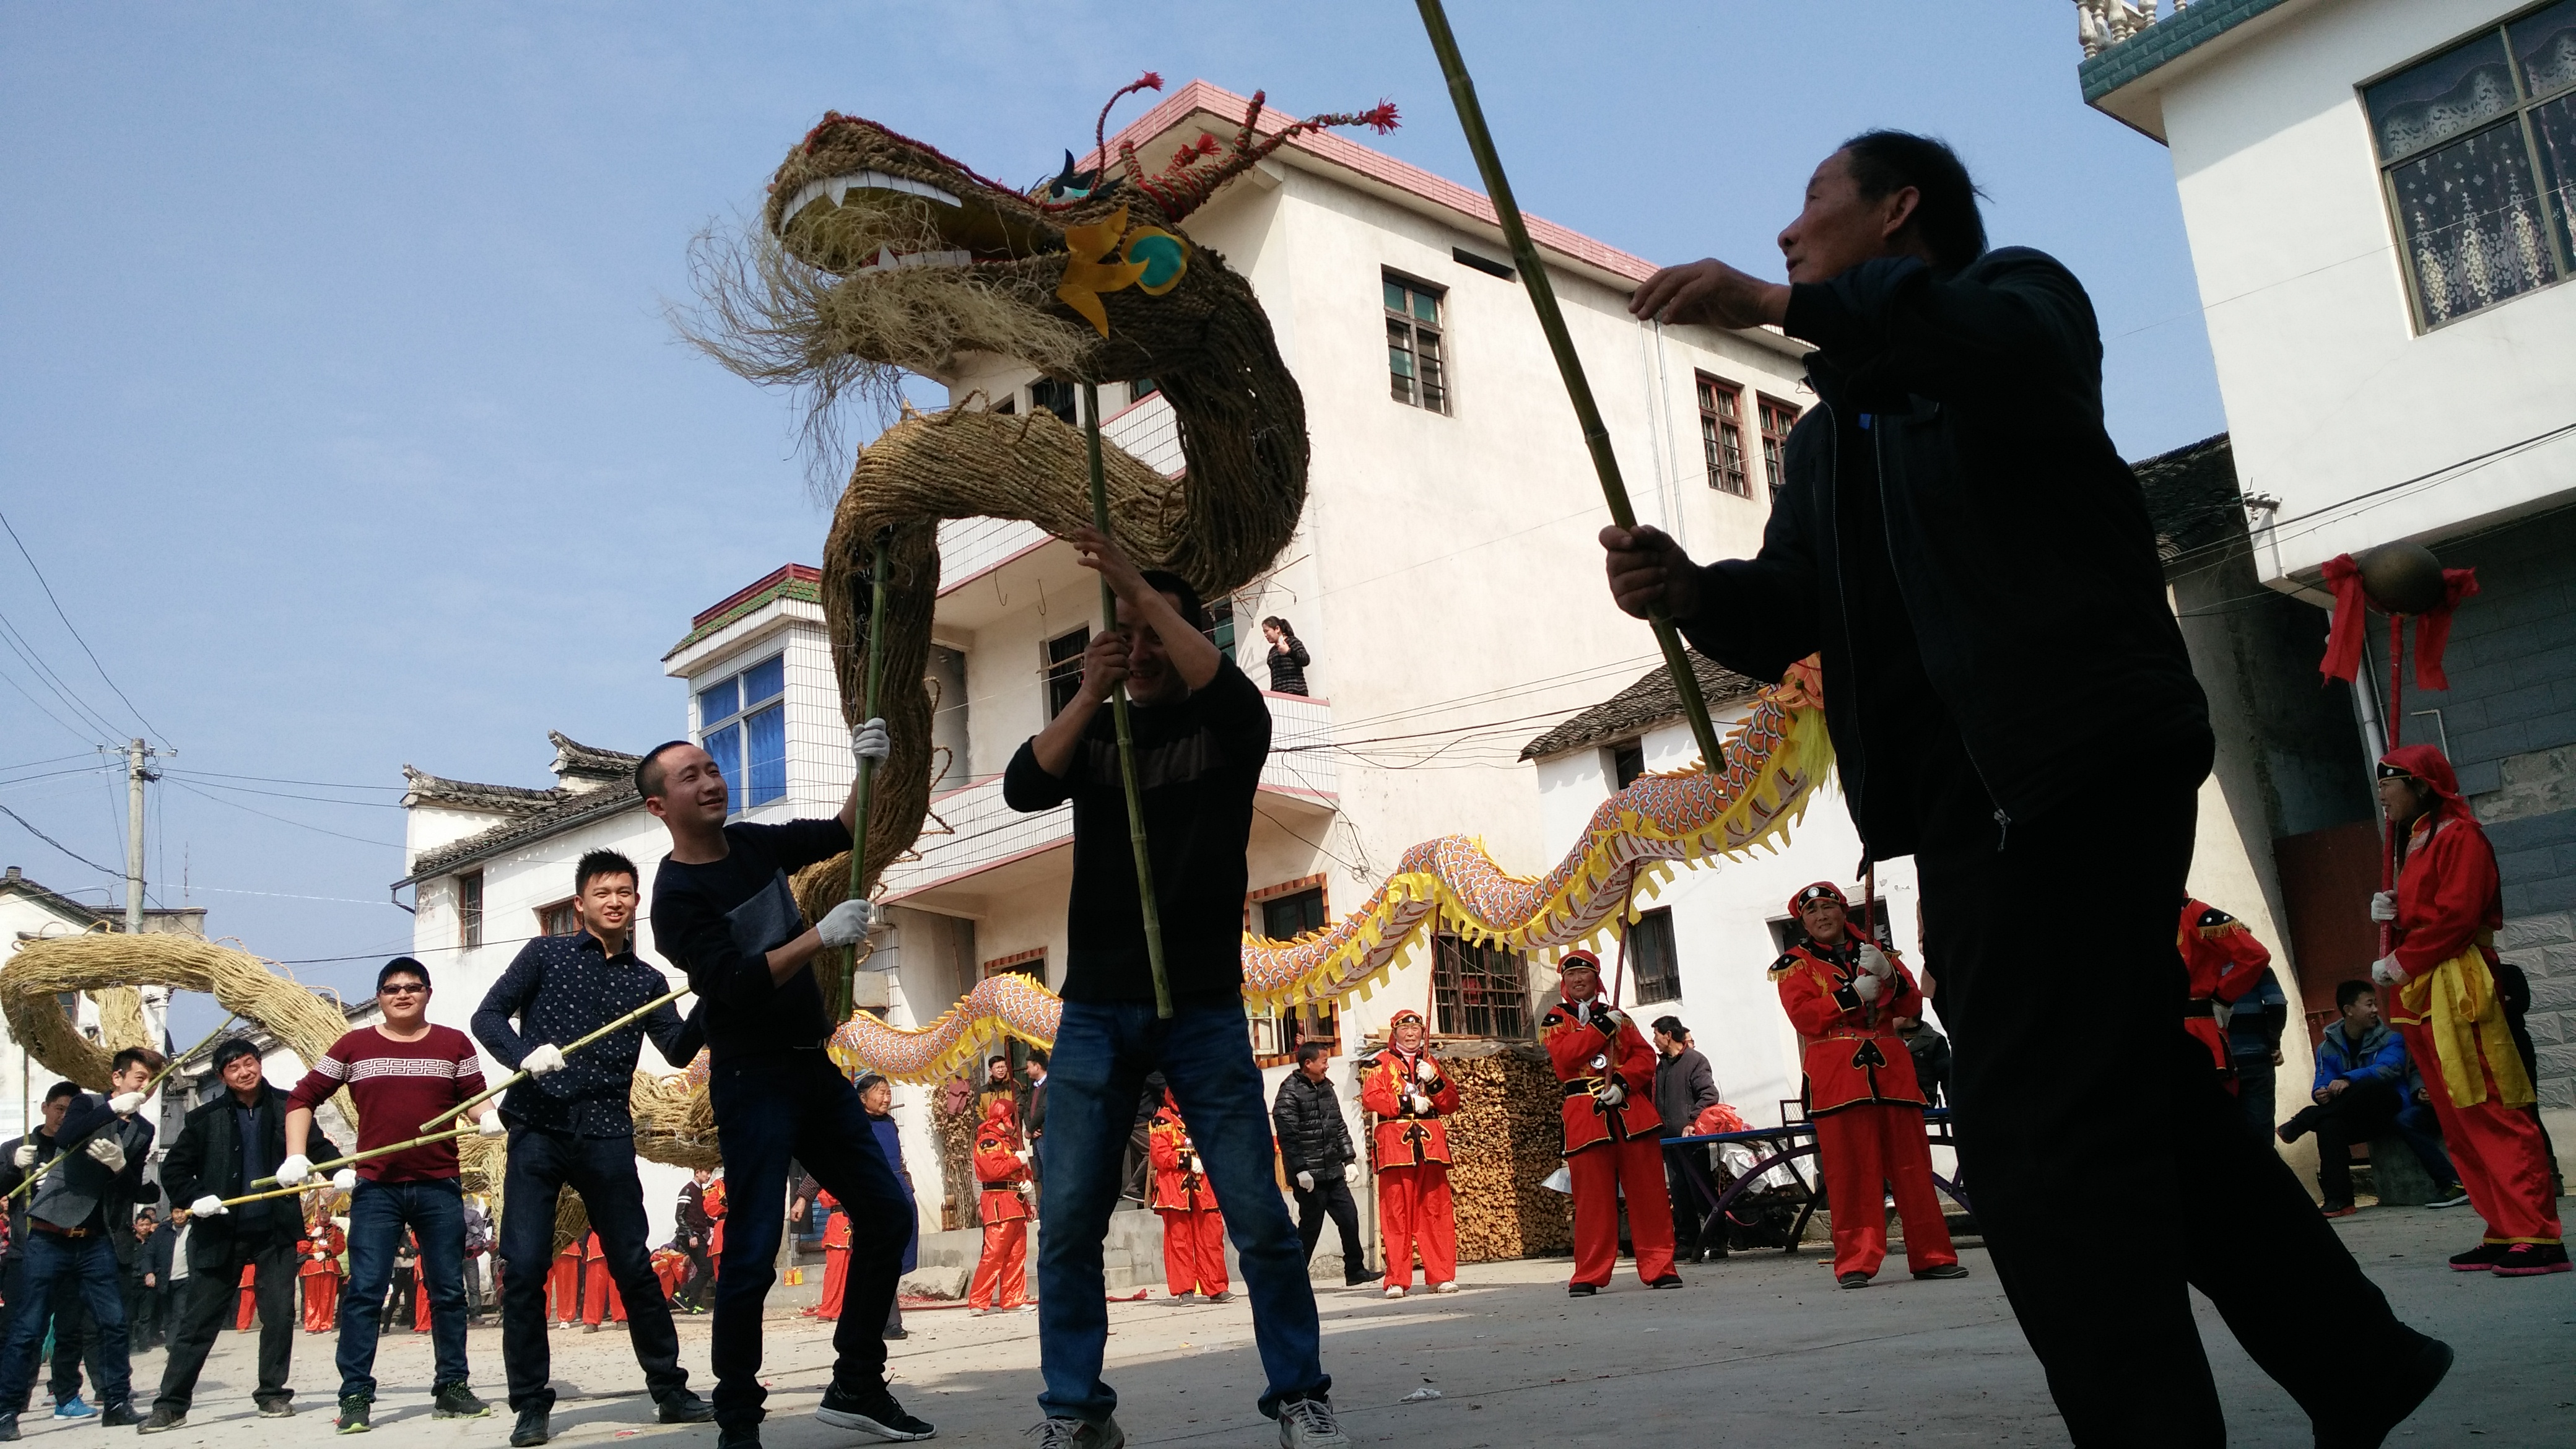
<point>2432,631</point>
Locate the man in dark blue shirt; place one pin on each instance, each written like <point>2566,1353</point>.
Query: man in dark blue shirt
<point>569,1124</point>
<point>724,913</point>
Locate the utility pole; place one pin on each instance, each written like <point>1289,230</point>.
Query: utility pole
<point>136,773</point>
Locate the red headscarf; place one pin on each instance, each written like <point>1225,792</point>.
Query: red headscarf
<point>2426,763</point>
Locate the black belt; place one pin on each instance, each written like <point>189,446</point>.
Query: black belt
<point>1582,1087</point>
<point>2199,1006</point>
<point>998,1186</point>
<point>40,1225</point>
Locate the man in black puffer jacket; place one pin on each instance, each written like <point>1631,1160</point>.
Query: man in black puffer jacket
<point>1315,1152</point>
<point>2011,704</point>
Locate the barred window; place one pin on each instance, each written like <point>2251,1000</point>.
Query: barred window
<point>1416,370</point>
<point>469,909</point>
<point>1721,434</point>
<point>2477,151</point>
<point>1651,953</point>
<point>1777,419</point>
<point>1478,990</point>
<point>1064,669</point>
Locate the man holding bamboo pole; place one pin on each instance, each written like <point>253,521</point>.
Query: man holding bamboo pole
<point>399,1072</point>
<point>724,913</point>
<point>1957,524</point>
<point>570,1125</point>
<point>1201,734</point>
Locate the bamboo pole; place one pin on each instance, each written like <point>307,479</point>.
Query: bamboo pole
<point>232,1202</point>
<point>354,1158</point>
<point>515,1078</point>
<point>1542,295</point>
<point>839,990</point>
<point>1126,737</point>
<point>63,1154</point>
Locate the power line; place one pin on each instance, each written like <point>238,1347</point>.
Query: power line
<point>55,774</point>
<point>288,795</point>
<point>75,632</point>
<point>280,819</point>
<point>56,844</point>
<point>274,780</point>
<point>45,675</point>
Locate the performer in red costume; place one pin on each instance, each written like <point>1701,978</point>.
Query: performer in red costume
<point>1193,1229</point>
<point>2224,962</point>
<point>1613,1139</point>
<point>563,1285</point>
<point>671,1265</point>
<point>1409,1094</point>
<point>599,1300</point>
<point>249,1312</point>
<point>1844,996</point>
<point>1002,1269</point>
<point>318,1266</point>
<point>836,1254</point>
<point>2439,989</point>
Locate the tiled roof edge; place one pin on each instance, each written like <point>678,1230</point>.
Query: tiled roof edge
<point>2164,42</point>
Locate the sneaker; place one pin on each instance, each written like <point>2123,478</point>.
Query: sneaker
<point>2448,1196</point>
<point>1945,1270</point>
<point>456,1401</point>
<point>870,1411</point>
<point>1309,1424</point>
<point>1394,1293</point>
<point>119,1416</point>
<point>590,1328</point>
<point>2530,1260</point>
<point>1079,1434</point>
<point>1449,1287</point>
<point>8,1428</point>
<point>1853,1280</point>
<point>532,1428</point>
<point>892,1334</point>
<point>2338,1210</point>
<point>73,1408</point>
<point>353,1417</point>
<point>2480,1258</point>
<point>274,1409</point>
<point>1360,1279</point>
<point>161,1421</point>
<point>683,1406</point>
<point>1669,1280</point>
<point>1220,1297</point>
<point>1581,1290</point>
<point>1185,1298</point>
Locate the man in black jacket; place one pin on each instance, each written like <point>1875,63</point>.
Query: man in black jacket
<point>1685,1086</point>
<point>2011,704</point>
<point>74,1343</point>
<point>223,1147</point>
<point>1315,1152</point>
<point>143,1258</point>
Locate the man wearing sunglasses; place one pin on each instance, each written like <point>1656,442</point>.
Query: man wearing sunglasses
<point>401,1073</point>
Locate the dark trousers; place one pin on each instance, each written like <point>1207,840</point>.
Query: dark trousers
<point>1332,1197</point>
<point>214,1290</point>
<point>769,1110</point>
<point>2358,1114</point>
<point>2254,1087</point>
<point>1682,1166</point>
<point>143,1325</point>
<point>378,1213</point>
<point>2039,1091</point>
<point>602,1170</point>
<point>74,1344</point>
<point>85,1267</point>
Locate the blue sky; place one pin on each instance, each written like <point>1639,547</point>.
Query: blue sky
<point>337,403</point>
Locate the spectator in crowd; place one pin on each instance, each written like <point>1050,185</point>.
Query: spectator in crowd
<point>696,1227</point>
<point>1931,1053</point>
<point>1032,1113</point>
<point>2254,1039</point>
<point>1288,657</point>
<point>1684,1087</point>
<point>2361,1094</point>
<point>1315,1151</point>
<point>999,1084</point>
<point>876,1096</point>
<point>144,1255</point>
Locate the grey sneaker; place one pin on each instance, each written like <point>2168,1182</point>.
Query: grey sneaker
<point>1078,1434</point>
<point>1309,1424</point>
<point>2448,1197</point>
<point>161,1421</point>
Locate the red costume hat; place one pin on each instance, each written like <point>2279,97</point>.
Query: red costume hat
<point>1578,959</point>
<point>1823,890</point>
<point>2425,763</point>
<point>1408,1014</point>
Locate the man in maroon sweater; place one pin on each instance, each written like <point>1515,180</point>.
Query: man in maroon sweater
<point>401,1073</point>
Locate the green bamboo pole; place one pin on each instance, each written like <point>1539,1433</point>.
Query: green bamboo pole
<point>837,1000</point>
<point>1126,737</point>
<point>149,1088</point>
<point>515,1078</point>
<point>1542,295</point>
<point>354,1158</point>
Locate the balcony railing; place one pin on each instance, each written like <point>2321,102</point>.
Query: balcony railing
<point>971,547</point>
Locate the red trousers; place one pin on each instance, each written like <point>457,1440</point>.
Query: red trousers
<point>599,1298</point>
<point>563,1287</point>
<point>249,1304</point>
<point>1194,1252</point>
<point>1414,1210</point>
<point>836,1280</point>
<point>420,1297</point>
<point>2497,1152</point>
<point>1002,1269</point>
<point>321,1302</point>
<point>1862,1148</point>
<point>1599,1172</point>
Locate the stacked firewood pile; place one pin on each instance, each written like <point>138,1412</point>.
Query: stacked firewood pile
<point>1505,1139</point>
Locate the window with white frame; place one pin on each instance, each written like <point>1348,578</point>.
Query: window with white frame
<point>2477,155</point>
<point>742,725</point>
<point>469,909</point>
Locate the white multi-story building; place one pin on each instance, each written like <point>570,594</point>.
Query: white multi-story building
<point>30,912</point>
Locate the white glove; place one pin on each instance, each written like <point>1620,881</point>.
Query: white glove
<point>850,922</point>
<point>1423,1071</point>
<point>2383,905</point>
<point>2222,1013</point>
<point>209,1206</point>
<point>547,1058</point>
<point>345,1180</point>
<point>1028,1190</point>
<point>1197,1168</point>
<point>1305,1182</point>
<point>1874,961</point>
<point>1867,987</point>
<point>1421,1105</point>
<point>868,741</point>
<point>491,1126</point>
<point>125,1104</point>
<point>1611,1094</point>
<point>25,1156</point>
<point>293,1171</point>
<point>2387,972</point>
<point>107,1152</point>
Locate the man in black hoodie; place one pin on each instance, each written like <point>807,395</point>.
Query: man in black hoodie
<point>2011,704</point>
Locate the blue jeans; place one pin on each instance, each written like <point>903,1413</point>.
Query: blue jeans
<point>797,1105</point>
<point>1103,1052</point>
<point>2416,1123</point>
<point>602,1170</point>
<point>88,1265</point>
<point>378,1213</point>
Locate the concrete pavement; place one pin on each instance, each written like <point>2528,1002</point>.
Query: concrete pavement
<point>1760,1348</point>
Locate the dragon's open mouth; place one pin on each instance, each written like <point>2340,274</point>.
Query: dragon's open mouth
<point>860,222</point>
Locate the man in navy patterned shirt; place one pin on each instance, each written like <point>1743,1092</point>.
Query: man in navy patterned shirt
<point>569,1125</point>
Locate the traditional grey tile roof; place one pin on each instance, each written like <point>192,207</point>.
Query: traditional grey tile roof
<point>574,808</point>
<point>598,782</point>
<point>577,761</point>
<point>180,920</point>
<point>2164,42</point>
<point>429,789</point>
<point>2193,498</point>
<point>1649,702</point>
